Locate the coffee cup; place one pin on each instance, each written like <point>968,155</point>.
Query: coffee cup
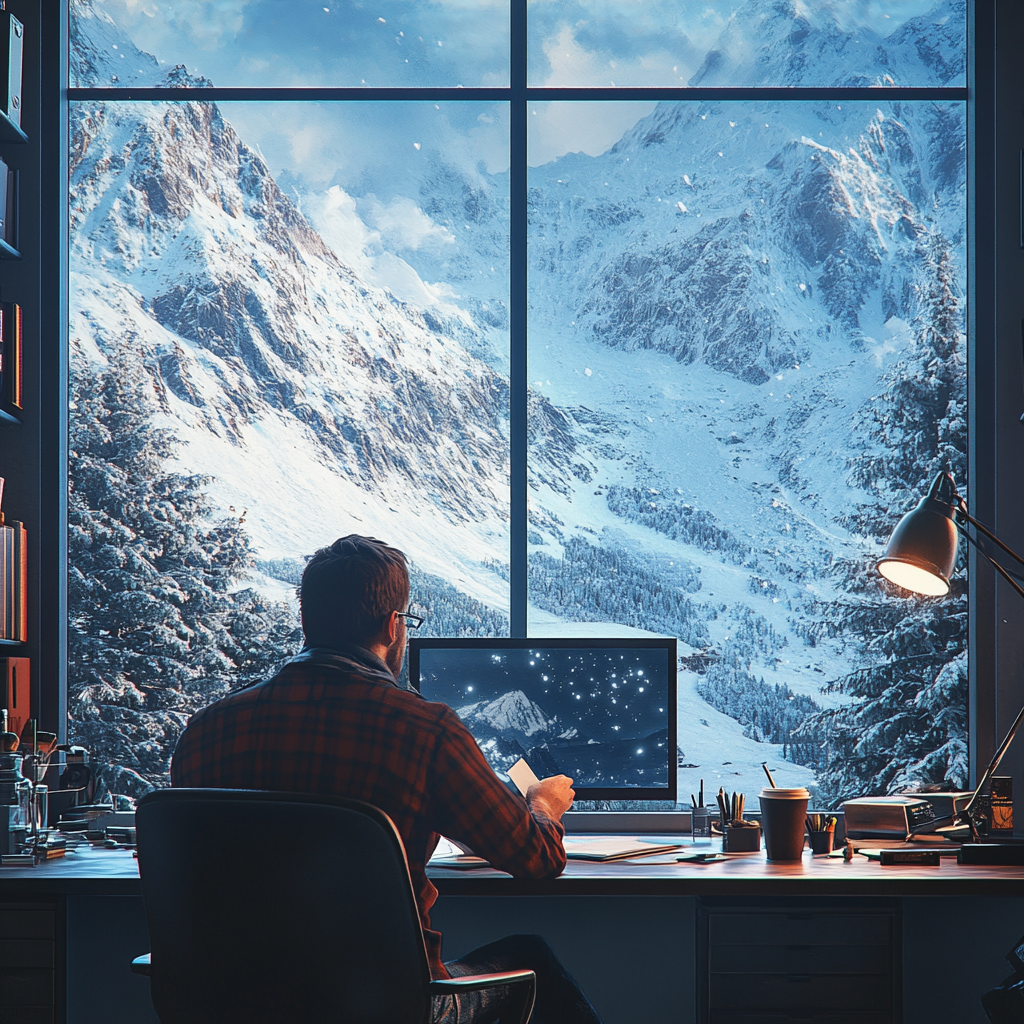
<point>783,817</point>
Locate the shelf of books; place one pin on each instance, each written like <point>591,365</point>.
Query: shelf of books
<point>15,665</point>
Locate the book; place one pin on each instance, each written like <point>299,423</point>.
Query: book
<point>6,581</point>
<point>19,582</point>
<point>449,854</point>
<point>15,692</point>
<point>10,355</point>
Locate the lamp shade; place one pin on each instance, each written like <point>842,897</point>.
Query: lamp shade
<point>921,552</point>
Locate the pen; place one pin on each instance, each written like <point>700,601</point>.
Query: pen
<point>701,792</point>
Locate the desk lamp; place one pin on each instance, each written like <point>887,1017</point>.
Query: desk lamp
<point>920,557</point>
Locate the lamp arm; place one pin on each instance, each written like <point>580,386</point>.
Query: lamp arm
<point>994,763</point>
<point>962,511</point>
<point>1008,739</point>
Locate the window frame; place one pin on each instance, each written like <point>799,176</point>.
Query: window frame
<point>995,310</point>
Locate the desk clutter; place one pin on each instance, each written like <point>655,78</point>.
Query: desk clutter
<point>27,807</point>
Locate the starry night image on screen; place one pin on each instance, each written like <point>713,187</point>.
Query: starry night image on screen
<point>599,715</point>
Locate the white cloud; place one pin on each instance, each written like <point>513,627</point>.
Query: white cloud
<point>157,27</point>
<point>590,128</point>
<point>333,213</point>
<point>403,225</point>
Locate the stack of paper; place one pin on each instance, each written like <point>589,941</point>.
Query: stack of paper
<point>613,847</point>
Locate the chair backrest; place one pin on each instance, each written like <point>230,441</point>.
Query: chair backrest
<point>278,907</point>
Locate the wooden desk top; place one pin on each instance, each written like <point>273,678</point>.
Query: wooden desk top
<point>115,873</point>
<point>745,875</point>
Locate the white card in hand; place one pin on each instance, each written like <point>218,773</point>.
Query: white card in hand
<point>522,775</point>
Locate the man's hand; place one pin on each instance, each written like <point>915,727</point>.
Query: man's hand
<point>552,796</point>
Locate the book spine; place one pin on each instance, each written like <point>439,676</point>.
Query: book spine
<point>19,607</point>
<point>15,692</point>
<point>5,176</point>
<point>13,348</point>
<point>10,354</point>
<point>6,580</point>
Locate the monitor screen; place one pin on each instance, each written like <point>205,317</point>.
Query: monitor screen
<point>600,711</point>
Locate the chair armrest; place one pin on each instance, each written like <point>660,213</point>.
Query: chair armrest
<point>141,965</point>
<point>473,982</point>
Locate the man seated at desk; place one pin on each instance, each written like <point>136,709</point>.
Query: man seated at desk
<point>335,721</point>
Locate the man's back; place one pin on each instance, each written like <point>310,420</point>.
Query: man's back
<point>334,722</point>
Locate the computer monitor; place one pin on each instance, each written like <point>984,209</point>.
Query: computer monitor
<point>602,711</point>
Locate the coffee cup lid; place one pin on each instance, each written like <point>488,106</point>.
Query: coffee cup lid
<point>798,792</point>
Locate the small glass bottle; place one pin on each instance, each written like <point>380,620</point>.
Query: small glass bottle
<point>700,820</point>
<point>24,801</point>
<point>40,798</point>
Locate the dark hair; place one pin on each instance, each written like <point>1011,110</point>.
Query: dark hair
<point>350,588</point>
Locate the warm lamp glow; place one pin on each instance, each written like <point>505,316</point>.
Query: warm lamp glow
<point>914,578</point>
<point>921,552</point>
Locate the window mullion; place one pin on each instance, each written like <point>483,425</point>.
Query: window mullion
<point>517,325</point>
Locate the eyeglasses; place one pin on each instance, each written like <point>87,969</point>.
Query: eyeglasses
<point>411,621</point>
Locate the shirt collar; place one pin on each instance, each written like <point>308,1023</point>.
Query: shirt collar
<point>348,658</point>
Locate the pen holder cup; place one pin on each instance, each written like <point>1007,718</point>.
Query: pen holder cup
<point>821,842</point>
<point>739,839</point>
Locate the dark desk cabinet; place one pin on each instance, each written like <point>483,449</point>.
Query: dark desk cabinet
<point>769,963</point>
<point>28,963</point>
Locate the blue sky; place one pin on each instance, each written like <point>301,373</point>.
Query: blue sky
<point>444,43</point>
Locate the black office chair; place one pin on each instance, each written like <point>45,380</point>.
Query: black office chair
<point>280,907</point>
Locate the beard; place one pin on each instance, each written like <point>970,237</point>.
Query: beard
<point>394,657</point>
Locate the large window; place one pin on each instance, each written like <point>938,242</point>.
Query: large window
<point>637,318</point>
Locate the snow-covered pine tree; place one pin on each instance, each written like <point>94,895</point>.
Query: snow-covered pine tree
<point>155,631</point>
<point>906,720</point>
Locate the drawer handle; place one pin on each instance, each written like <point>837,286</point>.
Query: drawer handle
<point>799,979</point>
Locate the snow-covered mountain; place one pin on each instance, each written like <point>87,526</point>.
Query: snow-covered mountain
<point>790,43</point>
<point>511,714</point>
<point>318,402</point>
<point>714,304</point>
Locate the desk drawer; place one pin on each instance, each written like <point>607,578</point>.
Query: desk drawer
<point>28,977</point>
<point>800,959</point>
<point>26,953</point>
<point>797,928</point>
<point>787,993</point>
<point>26,986</point>
<point>25,924</point>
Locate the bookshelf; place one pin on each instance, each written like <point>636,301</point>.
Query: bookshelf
<point>19,404</point>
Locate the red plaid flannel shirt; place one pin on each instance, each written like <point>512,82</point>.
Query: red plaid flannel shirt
<point>335,722</point>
